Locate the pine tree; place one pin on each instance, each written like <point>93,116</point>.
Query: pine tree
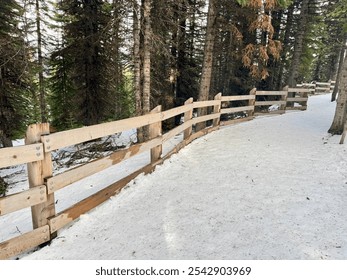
<point>86,33</point>
<point>14,70</point>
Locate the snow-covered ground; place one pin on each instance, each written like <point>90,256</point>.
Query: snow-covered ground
<point>272,188</point>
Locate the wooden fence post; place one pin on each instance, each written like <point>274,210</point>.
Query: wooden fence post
<point>217,108</point>
<point>284,98</point>
<point>37,172</point>
<point>155,130</point>
<point>251,102</point>
<point>305,95</point>
<point>187,117</point>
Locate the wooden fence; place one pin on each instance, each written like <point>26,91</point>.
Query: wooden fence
<point>318,87</point>
<point>39,145</point>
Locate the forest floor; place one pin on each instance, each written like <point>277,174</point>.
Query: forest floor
<point>271,188</point>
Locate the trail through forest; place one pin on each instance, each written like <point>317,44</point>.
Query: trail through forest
<point>271,188</point>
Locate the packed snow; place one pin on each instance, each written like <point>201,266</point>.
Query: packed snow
<point>271,188</point>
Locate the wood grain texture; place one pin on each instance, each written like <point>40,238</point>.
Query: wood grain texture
<point>79,135</point>
<point>64,179</point>
<point>20,155</point>
<point>28,198</point>
<point>237,98</point>
<point>24,242</point>
<point>236,109</point>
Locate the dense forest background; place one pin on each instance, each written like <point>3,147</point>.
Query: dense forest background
<point>83,62</point>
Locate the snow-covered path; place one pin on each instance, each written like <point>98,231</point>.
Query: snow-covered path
<point>272,188</point>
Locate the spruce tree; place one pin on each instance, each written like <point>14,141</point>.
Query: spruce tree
<point>14,74</point>
<point>82,63</point>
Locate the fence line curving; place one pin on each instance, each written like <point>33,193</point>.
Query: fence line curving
<point>36,153</point>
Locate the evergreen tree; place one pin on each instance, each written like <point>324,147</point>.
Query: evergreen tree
<point>14,73</point>
<point>86,60</point>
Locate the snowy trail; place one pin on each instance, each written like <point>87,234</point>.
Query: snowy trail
<point>272,188</point>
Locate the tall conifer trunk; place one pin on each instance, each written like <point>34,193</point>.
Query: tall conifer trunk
<point>142,61</point>
<point>338,78</point>
<point>206,74</point>
<point>43,107</point>
<point>137,58</point>
<point>146,56</point>
<point>341,105</point>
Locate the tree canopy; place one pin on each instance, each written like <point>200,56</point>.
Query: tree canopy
<point>82,62</point>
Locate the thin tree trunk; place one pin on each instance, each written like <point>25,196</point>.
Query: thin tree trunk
<point>174,47</point>
<point>146,61</point>
<point>298,45</point>
<point>137,65</point>
<point>147,57</point>
<point>206,74</point>
<point>341,105</point>
<point>336,87</point>
<point>43,107</point>
<point>289,25</point>
<point>137,59</point>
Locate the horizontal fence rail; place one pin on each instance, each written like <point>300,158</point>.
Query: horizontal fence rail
<point>318,87</point>
<point>223,110</point>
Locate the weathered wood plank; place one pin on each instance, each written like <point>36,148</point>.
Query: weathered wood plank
<point>217,108</point>
<point>187,117</point>
<point>24,242</point>
<point>74,136</point>
<point>237,97</point>
<point>284,99</point>
<point>251,102</point>
<point>37,172</point>
<point>279,92</point>
<point>265,103</point>
<point>236,121</point>
<point>206,118</point>
<point>21,154</point>
<point>322,84</point>
<point>176,111</point>
<point>155,131</point>
<point>297,99</point>
<point>236,109</point>
<point>177,130</point>
<point>302,108</point>
<point>202,104</point>
<point>280,112</point>
<point>64,179</point>
<point>308,85</point>
<point>322,88</point>
<point>300,89</point>
<point>23,199</point>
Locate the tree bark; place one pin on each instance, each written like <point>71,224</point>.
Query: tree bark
<point>43,107</point>
<point>289,24</point>
<point>142,62</point>
<point>206,74</point>
<point>336,87</point>
<point>137,59</point>
<point>147,56</point>
<point>341,105</point>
